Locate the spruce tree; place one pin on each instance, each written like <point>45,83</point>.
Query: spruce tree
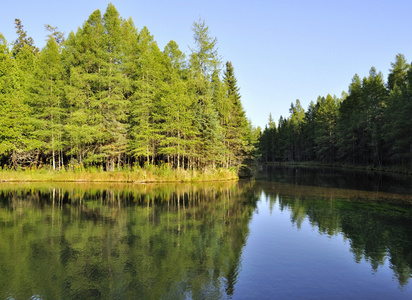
<point>236,126</point>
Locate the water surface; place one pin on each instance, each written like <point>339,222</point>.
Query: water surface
<point>284,235</point>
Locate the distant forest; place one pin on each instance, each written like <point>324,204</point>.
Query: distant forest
<point>107,96</point>
<point>370,125</point>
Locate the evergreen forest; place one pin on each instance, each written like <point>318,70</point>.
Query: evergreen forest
<point>371,125</point>
<point>106,96</point>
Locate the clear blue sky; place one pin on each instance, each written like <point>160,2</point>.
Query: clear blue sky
<point>281,50</point>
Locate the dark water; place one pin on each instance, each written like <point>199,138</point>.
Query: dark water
<point>292,233</point>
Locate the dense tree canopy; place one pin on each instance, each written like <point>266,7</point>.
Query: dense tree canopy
<point>108,96</point>
<point>369,125</point>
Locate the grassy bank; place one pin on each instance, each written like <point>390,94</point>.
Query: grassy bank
<point>387,169</point>
<point>149,173</point>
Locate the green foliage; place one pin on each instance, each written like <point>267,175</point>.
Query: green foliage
<point>108,97</point>
<point>369,125</point>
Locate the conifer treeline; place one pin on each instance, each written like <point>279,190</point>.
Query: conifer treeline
<point>370,125</point>
<point>108,96</point>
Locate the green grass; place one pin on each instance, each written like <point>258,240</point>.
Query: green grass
<point>149,173</point>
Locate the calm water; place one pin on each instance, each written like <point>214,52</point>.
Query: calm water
<point>292,233</point>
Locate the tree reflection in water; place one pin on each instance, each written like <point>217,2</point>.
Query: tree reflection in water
<point>148,241</point>
<point>175,241</point>
<point>377,224</point>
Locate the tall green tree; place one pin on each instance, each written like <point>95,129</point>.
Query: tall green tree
<point>374,102</point>
<point>297,117</point>
<point>84,56</point>
<point>14,111</point>
<point>325,128</point>
<point>204,57</point>
<point>47,101</point>
<point>237,128</point>
<point>267,141</point>
<point>307,144</point>
<point>176,107</point>
<point>398,73</point>
<point>114,106</point>
<point>21,80</point>
<point>204,61</point>
<point>397,122</point>
<point>96,91</point>
<point>348,130</point>
<point>146,82</point>
<point>283,150</point>
<point>22,40</point>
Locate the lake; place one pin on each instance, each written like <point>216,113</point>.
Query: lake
<point>290,233</point>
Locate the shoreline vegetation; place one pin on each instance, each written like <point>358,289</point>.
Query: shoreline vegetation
<point>164,173</point>
<point>146,174</point>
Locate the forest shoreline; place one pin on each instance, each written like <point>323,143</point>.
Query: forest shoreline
<point>138,175</point>
<point>362,168</point>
